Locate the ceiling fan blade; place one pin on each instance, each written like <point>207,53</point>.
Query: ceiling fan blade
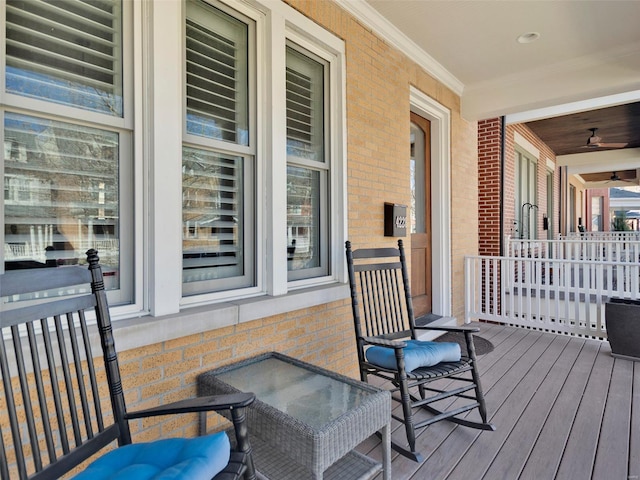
<point>612,145</point>
<point>605,145</point>
<point>594,141</point>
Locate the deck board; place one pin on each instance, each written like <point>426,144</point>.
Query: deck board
<point>518,390</point>
<point>579,454</point>
<point>546,455</point>
<point>563,408</point>
<point>613,452</point>
<point>513,454</point>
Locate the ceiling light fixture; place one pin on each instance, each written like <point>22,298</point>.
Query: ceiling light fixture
<point>528,37</point>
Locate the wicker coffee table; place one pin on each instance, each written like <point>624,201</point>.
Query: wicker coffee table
<point>306,421</point>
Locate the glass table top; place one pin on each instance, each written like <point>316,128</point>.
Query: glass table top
<point>310,397</point>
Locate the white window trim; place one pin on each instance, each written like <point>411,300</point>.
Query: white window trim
<point>525,144</point>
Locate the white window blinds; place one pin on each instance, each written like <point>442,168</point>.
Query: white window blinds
<point>307,196</point>
<point>305,116</point>
<point>217,83</point>
<point>67,51</point>
<point>212,215</point>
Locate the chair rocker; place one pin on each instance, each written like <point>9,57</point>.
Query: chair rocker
<point>388,348</point>
<point>53,417</point>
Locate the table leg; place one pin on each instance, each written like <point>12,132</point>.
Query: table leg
<point>202,423</point>
<point>386,451</point>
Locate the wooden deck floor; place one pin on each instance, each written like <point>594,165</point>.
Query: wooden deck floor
<point>563,408</point>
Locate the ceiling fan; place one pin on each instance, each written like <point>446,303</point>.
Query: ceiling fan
<point>594,141</point>
<point>617,178</point>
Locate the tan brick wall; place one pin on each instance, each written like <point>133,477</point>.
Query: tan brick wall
<point>167,372</point>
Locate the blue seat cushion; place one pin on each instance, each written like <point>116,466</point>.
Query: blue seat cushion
<point>417,354</point>
<point>169,459</point>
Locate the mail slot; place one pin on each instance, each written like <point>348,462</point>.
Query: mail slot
<point>395,220</point>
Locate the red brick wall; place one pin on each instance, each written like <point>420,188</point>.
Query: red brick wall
<point>489,193</point>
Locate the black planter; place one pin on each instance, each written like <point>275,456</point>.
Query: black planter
<point>622,319</point>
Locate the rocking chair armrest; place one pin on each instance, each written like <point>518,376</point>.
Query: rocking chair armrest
<point>460,328</point>
<point>198,404</point>
<point>383,342</point>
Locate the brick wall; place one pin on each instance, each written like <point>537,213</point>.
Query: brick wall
<point>489,183</point>
<point>165,372</point>
<point>489,194</point>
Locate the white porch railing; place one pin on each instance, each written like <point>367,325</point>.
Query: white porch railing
<point>616,236</point>
<point>623,250</point>
<point>558,295</point>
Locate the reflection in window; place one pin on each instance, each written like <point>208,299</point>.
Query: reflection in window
<point>60,195</point>
<point>213,236</point>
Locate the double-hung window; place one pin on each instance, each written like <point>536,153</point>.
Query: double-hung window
<point>218,155</point>
<point>307,164</point>
<point>66,135</point>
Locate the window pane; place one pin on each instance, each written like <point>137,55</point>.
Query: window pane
<point>417,174</point>
<point>217,81</point>
<point>67,52</point>
<point>303,218</point>
<point>305,112</point>
<point>60,195</point>
<point>213,224</point>
<point>307,209</point>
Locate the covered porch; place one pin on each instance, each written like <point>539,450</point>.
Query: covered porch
<point>563,407</point>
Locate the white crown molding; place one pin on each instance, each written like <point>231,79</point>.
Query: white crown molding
<point>370,17</point>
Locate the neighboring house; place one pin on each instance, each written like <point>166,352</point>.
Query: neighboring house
<point>525,194</point>
<point>625,201</point>
<point>192,142</point>
<point>519,186</point>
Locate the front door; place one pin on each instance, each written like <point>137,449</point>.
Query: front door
<point>420,214</point>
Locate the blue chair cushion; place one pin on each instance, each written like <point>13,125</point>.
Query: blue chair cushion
<point>417,354</point>
<point>169,459</point>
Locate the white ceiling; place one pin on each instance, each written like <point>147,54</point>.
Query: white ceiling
<point>586,49</point>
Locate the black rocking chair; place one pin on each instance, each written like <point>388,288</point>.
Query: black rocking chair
<point>384,321</point>
<point>54,412</point>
